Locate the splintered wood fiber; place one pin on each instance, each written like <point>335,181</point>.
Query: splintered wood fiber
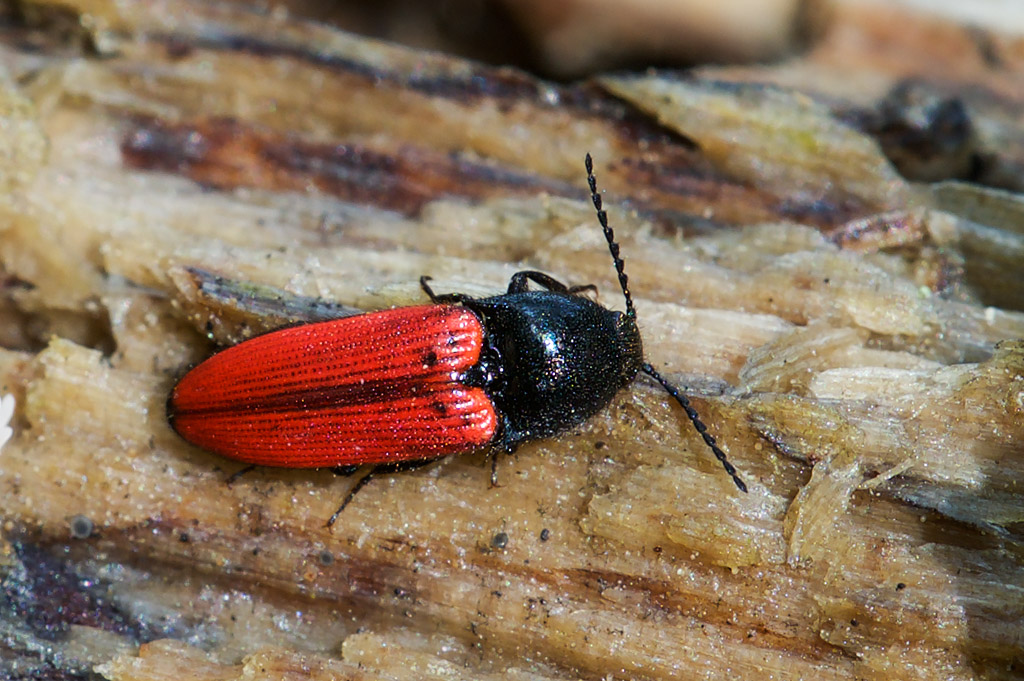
<point>180,176</point>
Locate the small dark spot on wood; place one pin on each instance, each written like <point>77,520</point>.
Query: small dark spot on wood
<point>81,527</point>
<point>177,49</point>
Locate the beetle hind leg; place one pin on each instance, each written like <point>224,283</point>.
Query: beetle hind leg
<point>233,478</point>
<point>442,299</point>
<point>379,469</point>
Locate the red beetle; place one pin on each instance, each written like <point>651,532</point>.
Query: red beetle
<point>402,387</point>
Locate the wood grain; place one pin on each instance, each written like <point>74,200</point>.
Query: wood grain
<point>853,337</point>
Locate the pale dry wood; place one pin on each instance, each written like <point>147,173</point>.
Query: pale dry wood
<point>878,425</point>
<point>870,54</point>
<point>587,35</point>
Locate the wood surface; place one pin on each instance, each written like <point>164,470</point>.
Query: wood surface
<point>826,253</point>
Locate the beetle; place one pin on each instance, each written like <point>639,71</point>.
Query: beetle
<point>399,388</point>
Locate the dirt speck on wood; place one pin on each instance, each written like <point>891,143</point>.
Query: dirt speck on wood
<point>853,339</point>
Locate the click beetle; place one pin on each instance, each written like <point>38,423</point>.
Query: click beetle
<point>402,387</point>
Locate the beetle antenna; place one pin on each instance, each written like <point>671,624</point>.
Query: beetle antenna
<point>709,439</point>
<point>609,235</point>
<point>620,269</point>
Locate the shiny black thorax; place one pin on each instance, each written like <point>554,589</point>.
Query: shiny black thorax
<point>551,360</point>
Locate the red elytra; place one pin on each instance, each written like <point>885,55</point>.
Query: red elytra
<point>374,388</point>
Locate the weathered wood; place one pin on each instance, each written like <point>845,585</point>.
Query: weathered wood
<point>835,324</point>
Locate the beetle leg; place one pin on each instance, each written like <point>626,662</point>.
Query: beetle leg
<point>493,455</point>
<point>444,298</point>
<point>518,282</point>
<point>585,287</point>
<point>361,483</point>
<point>233,478</point>
<point>379,469</point>
<point>494,468</point>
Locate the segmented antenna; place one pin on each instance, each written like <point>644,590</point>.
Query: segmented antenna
<point>709,439</point>
<point>609,235</point>
<point>679,397</point>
